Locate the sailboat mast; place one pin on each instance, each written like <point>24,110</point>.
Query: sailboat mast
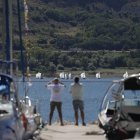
<point>21,43</point>
<point>7,14</point>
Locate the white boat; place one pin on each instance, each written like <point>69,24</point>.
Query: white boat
<point>66,76</point>
<point>69,76</point>
<point>83,75</point>
<point>119,115</point>
<point>125,75</point>
<point>38,75</point>
<point>62,75</point>
<point>98,76</point>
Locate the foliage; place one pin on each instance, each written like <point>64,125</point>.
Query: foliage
<point>50,62</point>
<point>61,34</point>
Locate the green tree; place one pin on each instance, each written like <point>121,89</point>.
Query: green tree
<point>52,68</point>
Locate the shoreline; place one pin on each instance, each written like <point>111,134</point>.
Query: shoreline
<point>105,72</point>
<point>117,72</point>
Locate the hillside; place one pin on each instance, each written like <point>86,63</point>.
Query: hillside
<point>90,24</point>
<point>80,25</point>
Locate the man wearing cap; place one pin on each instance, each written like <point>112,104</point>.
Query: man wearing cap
<point>76,89</point>
<point>55,86</point>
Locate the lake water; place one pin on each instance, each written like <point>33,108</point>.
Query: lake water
<point>94,90</point>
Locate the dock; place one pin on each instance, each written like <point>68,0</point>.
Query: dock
<point>72,132</point>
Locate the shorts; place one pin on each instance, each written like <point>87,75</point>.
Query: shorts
<point>54,104</point>
<point>78,104</point>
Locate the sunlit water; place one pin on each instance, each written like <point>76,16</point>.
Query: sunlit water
<point>94,90</point>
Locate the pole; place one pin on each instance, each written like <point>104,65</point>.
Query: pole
<point>3,29</point>
<point>21,43</point>
<point>8,32</point>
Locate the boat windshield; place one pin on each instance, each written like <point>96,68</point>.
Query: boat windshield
<point>131,102</point>
<point>114,93</point>
<point>117,92</point>
<point>131,93</point>
<point>3,89</point>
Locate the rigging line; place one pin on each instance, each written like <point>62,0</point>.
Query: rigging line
<point>21,43</point>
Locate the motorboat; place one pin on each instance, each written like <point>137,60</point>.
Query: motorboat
<point>119,115</point>
<point>11,125</point>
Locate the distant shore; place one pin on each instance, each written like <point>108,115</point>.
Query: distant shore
<point>117,72</point>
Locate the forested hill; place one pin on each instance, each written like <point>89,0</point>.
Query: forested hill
<point>85,24</point>
<point>58,29</point>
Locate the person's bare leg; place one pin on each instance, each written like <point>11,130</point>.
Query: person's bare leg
<point>76,117</point>
<point>83,117</point>
<point>61,118</point>
<point>50,117</point>
<point>52,108</point>
<point>59,109</point>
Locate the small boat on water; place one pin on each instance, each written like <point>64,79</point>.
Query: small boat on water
<point>125,75</point>
<point>83,75</point>
<point>69,76</point>
<point>98,76</point>
<point>119,114</point>
<point>38,75</point>
<point>64,75</point>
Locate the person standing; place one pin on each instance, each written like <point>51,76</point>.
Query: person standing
<point>76,90</point>
<point>55,86</point>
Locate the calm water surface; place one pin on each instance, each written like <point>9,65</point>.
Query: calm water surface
<point>94,90</point>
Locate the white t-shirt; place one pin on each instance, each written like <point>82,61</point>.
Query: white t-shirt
<point>76,89</point>
<point>55,91</point>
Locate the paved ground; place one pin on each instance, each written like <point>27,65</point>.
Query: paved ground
<point>72,132</point>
